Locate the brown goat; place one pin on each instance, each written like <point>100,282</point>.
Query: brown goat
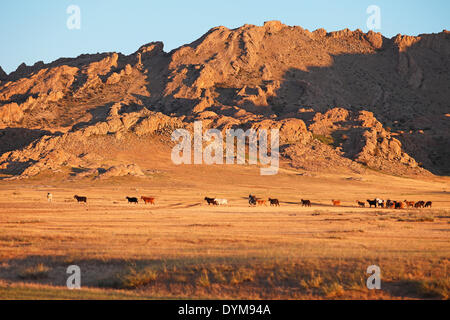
<point>261,202</point>
<point>336,203</point>
<point>399,205</point>
<point>148,200</point>
<point>409,204</point>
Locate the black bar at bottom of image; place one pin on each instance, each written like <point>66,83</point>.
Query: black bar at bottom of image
<point>221,309</point>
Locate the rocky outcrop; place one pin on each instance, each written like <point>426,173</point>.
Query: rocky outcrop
<point>75,150</point>
<point>313,86</point>
<point>292,131</point>
<point>380,150</point>
<point>330,121</point>
<point>10,113</point>
<point>362,138</point>
<point>121,171</point>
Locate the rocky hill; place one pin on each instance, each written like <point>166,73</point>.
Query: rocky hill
<point>343,100</point>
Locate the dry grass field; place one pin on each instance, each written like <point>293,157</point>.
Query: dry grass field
<point>182,248</point>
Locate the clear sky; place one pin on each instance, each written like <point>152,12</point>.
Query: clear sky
<point>31,31</point>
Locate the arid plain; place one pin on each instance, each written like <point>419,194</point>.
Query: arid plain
<point>183,248</point>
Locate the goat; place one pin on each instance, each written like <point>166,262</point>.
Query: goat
<point>148,200</point>
<point>274,202</point>
<point>132,200</point>
<point>306,203</point>
<point>380,203</point>
<point>409,204</point>
<point>419,204</point>
<point>390,204</point>
<point>211,201</point>
<point>399,205</point>
<point>221,202</point>
<point>252,200</point>
<point>361,204</point>
<point>261,202</point>
<point>336,203</point>
<point>80,199</point>
<point>372,203</point>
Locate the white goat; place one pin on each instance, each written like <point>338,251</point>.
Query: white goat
<point>221,202</point>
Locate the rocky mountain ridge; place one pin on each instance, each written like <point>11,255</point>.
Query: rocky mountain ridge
<point>357,98</point>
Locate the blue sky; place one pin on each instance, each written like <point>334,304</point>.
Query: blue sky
<point>31,31</point>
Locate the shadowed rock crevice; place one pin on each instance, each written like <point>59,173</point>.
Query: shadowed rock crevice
<point>17,138</point>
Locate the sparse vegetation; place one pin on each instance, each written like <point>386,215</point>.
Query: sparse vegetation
<point>328,278</point>
<point>203,279</point>
<point>37,272</point>
<point>137,278</point>
<point>328,140</point>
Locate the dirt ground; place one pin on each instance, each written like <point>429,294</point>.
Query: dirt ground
<point>183,248</point>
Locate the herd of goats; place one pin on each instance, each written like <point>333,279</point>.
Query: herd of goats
<point>254,201</point>
<point>395,204</point>
<point>377,203</point>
